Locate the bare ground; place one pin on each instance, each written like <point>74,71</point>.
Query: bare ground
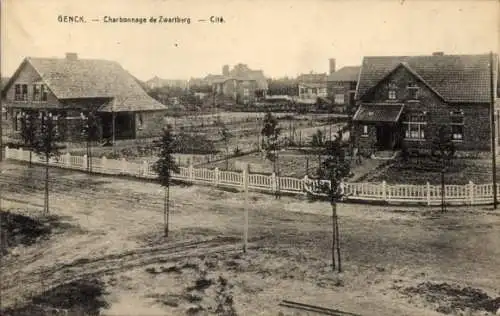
<point>108,238</point>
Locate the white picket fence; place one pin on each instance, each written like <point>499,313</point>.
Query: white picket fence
<point>468,194</point>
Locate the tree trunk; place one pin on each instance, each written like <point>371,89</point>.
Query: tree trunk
<point>337,231</point>
<point>166,210</point>
<point>227,157</point>
<point>278,196</point>
<point>90,157</point>
<point>46,200</point>
<point>334,232</point>
<point>88,154</point>
<point>442,192</point>
<point>31,149</point>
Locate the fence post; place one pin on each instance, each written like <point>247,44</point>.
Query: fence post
<point>191,173</point>
<point>216,176</point>
<point>244,179</point>
<point>7,152</point>
<point>471,193</point>
<point>428,191</point>
<point>145,168</point>
<point>84,163</point>
<point>273,182</point>
<point>20,154</point>
<point>67,159</point>
<point>304,184</point>
<point>384,191</point>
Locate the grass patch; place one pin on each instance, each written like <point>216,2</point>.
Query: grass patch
<point>81,297</point>
<point>453,299</point>
<point>423,170</point>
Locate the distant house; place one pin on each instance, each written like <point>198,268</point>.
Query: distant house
<point>341,86</point>
<point>241,84</point>
<point>404,100</point>
<point>312,86</point>
<point>69,87</point>
<point>157,82</point>
<point>242,71</point>
<point>241,90</point>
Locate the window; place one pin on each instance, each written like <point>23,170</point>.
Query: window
<point>36,92</point>
<point>415,126</point>
<point>246,92</point>
<point>140,121</point>
<point>339,98</point>
<point>44,92</point>
<point>392,91</point>
<point>392,94</point>
<point>17,123</point>
<point>412,91</point>
<point>55,123</point>
<point>21,92</point>
<point>457,125</point>
<point>365,131</point>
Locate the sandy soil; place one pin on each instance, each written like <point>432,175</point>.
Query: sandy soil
<point>113,231</point>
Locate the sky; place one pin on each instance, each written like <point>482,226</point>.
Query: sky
<point>281,37</point>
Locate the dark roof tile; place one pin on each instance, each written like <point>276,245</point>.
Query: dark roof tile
<point>457,78</point>
<point>348,73</point>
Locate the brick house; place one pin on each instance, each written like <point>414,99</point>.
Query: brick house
<point>70,87</point>
<point>312,86</point>
<point>241,90</point>
<point>341,86</point>
<point>402,101</point>
<point>240,85</point>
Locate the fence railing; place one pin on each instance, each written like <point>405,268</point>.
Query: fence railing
<point>468,194</point>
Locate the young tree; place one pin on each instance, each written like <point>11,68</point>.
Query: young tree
<point>318,144</point>
<point>164,166</point>
<point>442,151</point>
<point>225,135</point>
<point>46,144</point>
<point>336,168</point>
<point>28,131</point>
<point>271,133</point>
<point>90,132</point>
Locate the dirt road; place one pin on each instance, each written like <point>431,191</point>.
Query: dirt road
<point>111,228</point>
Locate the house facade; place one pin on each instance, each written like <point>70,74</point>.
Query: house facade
<point>312,86</point>
<point>240,85</point>
<point>71,88</point>
<point>404,101</point>
<point>341,87</point>
<point>240,90</point>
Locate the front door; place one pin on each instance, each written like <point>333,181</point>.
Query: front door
<point>385,137</point>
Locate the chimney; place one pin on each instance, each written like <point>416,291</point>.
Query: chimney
<point>71,56</point>
<point>225,70</point>
<point>332,65</point>
<point>438,54</point>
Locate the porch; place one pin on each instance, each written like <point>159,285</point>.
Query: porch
<point>379,129</point>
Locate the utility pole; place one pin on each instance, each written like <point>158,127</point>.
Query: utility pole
<point>493,139</point>
<point>245,229</point>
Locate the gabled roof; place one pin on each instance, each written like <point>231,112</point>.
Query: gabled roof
<point>456,78</point>
<point>92,78</point>
<point>348,73</point>
<point>312,77</point>
<point>313,84</point>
